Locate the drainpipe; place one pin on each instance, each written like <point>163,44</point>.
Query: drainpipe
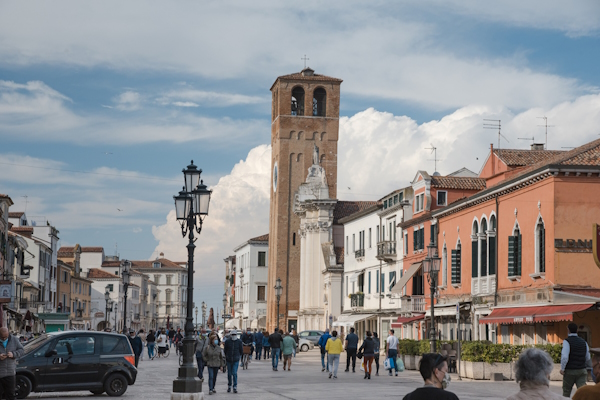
<point>497,251</point>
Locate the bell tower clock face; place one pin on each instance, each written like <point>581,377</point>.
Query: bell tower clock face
<point>275,177</point>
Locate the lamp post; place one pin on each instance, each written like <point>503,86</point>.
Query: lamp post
<point>196,311</point>
<point>203,315</point>
<point>431,266</point>
<point>191,207</point>
<point>107,299</point>
<point>278,290</point>
<point>126,275</point>
<point>224,309</point>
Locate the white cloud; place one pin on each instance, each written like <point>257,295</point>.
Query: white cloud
<point>185,104</point>
<point>137,230</point>
<point>207,98</point>
<point>128,101</point>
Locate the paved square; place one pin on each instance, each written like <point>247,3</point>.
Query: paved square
<point>304,381</point>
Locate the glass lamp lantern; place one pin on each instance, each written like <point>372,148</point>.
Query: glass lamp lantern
<point>183,202</point>
<point>201,199</point>
<point>191,176</point>
<point>278,287</point>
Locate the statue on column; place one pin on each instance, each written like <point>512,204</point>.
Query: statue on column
<point>315,155</point>
<point>211,319</point>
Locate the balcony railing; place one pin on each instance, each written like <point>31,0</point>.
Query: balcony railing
<point>357,300</point>
<point>414,304</point>
<point>386,250</point>
<point>359,253</point>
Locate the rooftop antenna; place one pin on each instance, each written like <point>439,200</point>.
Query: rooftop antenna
<point>25,202</point>
<point>546,126</point>
<point>495,124</point>
<point>528,138</point>
<point>435,159</point>
<point>116,249</point>
<point>305,59</point>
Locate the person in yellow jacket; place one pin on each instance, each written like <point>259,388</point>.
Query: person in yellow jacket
<point>334,347</point>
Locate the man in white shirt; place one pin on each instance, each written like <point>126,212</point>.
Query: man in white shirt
<point>391,345</point>
<point>162,341</point>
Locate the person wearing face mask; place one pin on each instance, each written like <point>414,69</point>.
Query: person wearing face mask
<point>591,392</point>
<point>434,370</point>
<point>137,345</point>
<point>233,353</point>
<point>10,350</point>
<point>532,373</point>
<point>213,358</point>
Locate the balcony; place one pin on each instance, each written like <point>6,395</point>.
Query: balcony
<point>386,251</point>
<point>357,300</point>
<point>360,253</point>
<point>483,286</point>
<point>413,304</point>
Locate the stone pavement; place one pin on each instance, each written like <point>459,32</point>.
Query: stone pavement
<point>305,381</point>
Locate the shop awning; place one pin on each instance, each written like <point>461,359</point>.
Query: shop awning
<point>406,320</point>
<point>412,270</point>
<point>355,275</point>
<point>529,315</point>
<point>350,319</point>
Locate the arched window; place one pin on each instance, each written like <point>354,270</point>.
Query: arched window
<point>492,246</point>
<point>456,264</point>
<point>319,100</point>
<point>540,247</point>
<point>298,101</point>
<point>514,252</point>
<point>444,266</point>
<point>483,248</point>
<point>475,250</point>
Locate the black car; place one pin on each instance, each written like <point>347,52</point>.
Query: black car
<point>312,336</point>
<point>76,360</point>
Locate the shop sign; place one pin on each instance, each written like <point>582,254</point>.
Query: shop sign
<point>573,246</point>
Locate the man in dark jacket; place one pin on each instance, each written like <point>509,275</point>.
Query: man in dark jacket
<point>10,350</point>
<point>351,348</point>
<point>248,340</point>
<point>201,343</point>
<point>258,338</point>
<point>574,358</point>
<point>233,353</point>
<point>322,343</point>
<point>275,340</point>
<point>137,345</point>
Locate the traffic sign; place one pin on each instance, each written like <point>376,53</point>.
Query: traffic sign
<point>226,316</point>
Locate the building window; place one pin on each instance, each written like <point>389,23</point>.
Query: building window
<point>168,294</point>
<point>294,239</point>
<point>392,279</point>
<point>419,239</point>
<point>347,292</point>
<point>376,281</point>
<point>377,232</point>
<point>540,236</point>
<point>382,276</point>
<point>156,264</point>
<point>261,293</point>
<point>353,243</point>
<point>347,246</point>
<point>369,287</point>
<point>483,247</point>
<point>514,253</point>
<point>319,102</point>
<point>492,246</point>
<point>157,279</point>
<point>110,287</point>
<point>169,278</point>
<point>474,250</point>
<point>441,198</point>
<point>419,202</point>
<point>406,244</point>
<point>455,254</point>
<point>369,237</point>
<point>262,258</point>
<point>444,266</point>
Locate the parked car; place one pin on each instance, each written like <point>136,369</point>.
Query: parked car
<point>76,360</point>
<point>305,344</point>
<point>311,336</point>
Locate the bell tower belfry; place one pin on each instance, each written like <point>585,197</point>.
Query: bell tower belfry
<point>305,113</point>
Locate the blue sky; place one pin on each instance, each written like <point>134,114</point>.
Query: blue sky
<point>157,84</point>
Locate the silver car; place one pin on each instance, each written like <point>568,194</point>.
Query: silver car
<point>305,345</point>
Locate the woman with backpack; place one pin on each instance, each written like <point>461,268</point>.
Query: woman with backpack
<point>151,341</point>
<point>368,350</point>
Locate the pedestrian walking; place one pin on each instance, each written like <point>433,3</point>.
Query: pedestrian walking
<point>142,336</point>
<point>591,392</point>
<point>171,334</point>
<point>575,355</point>
<point>376,356</point>
<point>333,348</point>
<point>434,370</point>
<point>351,346</point>
<point>391,345</point>
<point>266,345</point>
<point>10,350</point>
<point>213,357</point>
<point>201,343</point>
<point>322,343</point>
<point>136,345</point>
<point>258,339</point>
<point>275,340</point>
<point>150,343</point>
<point>248,340</point>
<point>532,372</point>
<point>233,353</point>
<point>178,340</point>
<point>288,348</point>
<point>162,341</point>
<point>368,350</point>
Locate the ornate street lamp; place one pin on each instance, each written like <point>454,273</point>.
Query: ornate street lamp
<point>126,276</point>
<point>278,291</point>
<point>191,207</point>
<point>224,309</point>
<point>431,266</point>
<point>204,315</point>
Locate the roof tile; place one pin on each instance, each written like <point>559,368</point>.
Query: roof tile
<point>143,264</point>
<point>262,238</point>
<point>521,158</point>
<point>345,208</point>
<point>95,273</point>
<point>457,182</point>
<point>15,214</point>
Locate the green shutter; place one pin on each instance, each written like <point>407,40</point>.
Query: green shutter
<point>455,267</point>
<point>511,255</point>
<point>422,242</point>
<point>492,256</point>
<point>543,250</point>
<point>483,258</point>
<point>415,240</point>
<point>474,259</point>
<point>520,244</point>
<point>369,282</point>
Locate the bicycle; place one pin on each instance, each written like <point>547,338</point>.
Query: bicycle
<point>164,354</point>
<point>246,356</point>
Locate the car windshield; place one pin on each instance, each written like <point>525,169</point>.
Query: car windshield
<point>33,344</point>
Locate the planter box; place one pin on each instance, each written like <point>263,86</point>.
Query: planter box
<point>417,361</point>
<point>409,362</point>
<point>482,370</point>
<point>472,370</point>
<point>506,369</point>
<point>555,374</point>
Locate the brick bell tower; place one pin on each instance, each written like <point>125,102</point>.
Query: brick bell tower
<point>305,112</point>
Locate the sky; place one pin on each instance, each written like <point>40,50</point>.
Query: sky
<point>102,104</point>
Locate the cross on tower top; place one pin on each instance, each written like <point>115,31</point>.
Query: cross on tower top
<point>305,59</point>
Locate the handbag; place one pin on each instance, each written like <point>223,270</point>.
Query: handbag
<point>388,364</point>
<point>400,364</point>
<point>359,355</point>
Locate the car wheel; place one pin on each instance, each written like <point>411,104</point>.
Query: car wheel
<point>304,347</point>
<point>23,387</point>
<point>115,385</point>
<point>97,392</point>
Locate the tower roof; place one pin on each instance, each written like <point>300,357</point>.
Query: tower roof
<point>307,74</point>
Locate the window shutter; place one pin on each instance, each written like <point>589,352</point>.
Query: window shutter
<point>483,258</point>
<point>415,235</point>
<point>511,256</point>
<point>543,250</point>
<point>431,232</point>
<point>422,242</point>
<point>520,244</point>
<point>474,263</point>
<point>492,256</point>
<point>454,266</point>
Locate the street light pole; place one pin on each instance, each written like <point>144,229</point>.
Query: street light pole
<point>224,309</point>
<point>126,277</point>
<point>196,311</point>
<point>107,299</point>
<point>278,291</point>
<point>191,207</point>
<point>203,315</point>
<point>431,266</point>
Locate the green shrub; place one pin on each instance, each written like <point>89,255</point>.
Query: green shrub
<point>554,350</point>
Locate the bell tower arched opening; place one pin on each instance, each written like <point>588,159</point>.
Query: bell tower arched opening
<point>319,102</point>
<point>298,101</point>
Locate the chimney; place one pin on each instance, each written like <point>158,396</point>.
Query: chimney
<point>162,255</point>
<point>537,146</point>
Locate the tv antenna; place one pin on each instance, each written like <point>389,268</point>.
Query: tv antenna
<point>435,159</point>
<point>25,197</point>
<point>528,138</point>
<point>546,126</point>
<point>495,124</point>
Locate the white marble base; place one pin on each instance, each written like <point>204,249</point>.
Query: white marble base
<point>187,396</point>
